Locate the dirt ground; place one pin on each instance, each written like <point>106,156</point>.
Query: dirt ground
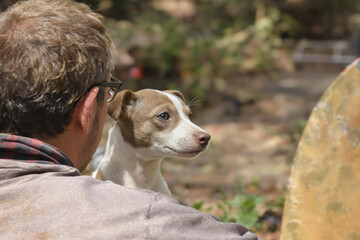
<point>251,148</point>
<point>253,142</point>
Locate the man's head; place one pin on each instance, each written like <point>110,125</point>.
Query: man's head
<point>51,54</point>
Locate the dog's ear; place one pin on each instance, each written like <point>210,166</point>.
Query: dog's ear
<point>120,104</point>
<point>176,93</point>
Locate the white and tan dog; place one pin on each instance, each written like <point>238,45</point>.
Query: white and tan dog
<point>150,125</point>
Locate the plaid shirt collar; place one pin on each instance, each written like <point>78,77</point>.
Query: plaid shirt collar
<point>16,148</point>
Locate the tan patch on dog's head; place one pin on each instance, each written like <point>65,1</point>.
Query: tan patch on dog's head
<point>142,115</point>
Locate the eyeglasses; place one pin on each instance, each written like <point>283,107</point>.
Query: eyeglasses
<point>114,87</point>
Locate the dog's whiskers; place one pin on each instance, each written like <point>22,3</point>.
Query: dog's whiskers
<point>194,103</point>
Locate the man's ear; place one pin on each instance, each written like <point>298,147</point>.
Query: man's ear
<point>121,104</point>
<point>176,93</point>
<point>83,109</point>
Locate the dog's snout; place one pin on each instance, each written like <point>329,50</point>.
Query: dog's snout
<point>203,138</point>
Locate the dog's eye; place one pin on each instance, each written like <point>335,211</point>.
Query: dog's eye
<point>163,116</point>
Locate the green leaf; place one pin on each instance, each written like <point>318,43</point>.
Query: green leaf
<point>198,205</point>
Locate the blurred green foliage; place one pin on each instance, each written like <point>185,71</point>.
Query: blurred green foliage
<point>197,55</point>
<point>247,208</point>
<point>242,209</point>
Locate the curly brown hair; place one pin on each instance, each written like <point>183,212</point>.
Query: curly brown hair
<point>51,53</point>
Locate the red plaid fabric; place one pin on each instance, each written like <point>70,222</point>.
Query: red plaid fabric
<point>16,148</point>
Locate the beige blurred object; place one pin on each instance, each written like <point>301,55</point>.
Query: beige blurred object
<point>323,200</point>
<point>120,57</point>
<point>121,61</point>
<point>176,8</point>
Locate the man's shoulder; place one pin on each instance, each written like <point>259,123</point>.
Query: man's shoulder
<point>62,204</point>
<point>35,197</point>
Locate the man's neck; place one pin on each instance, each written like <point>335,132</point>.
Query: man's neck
<point>69,143</point>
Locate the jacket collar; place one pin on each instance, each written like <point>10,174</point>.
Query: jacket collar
<point>17,148</point>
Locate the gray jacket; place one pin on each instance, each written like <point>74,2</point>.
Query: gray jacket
<point>40,201</point>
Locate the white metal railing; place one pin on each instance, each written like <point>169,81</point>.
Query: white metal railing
<point>316,51</point>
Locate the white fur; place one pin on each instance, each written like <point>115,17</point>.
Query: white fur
<point>125,165</point>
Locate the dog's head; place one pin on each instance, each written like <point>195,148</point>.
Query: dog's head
<point>159,122</point>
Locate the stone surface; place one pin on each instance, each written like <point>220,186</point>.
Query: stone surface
<point>323,199</point>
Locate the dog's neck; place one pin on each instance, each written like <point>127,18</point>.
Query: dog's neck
<point>138,169</point>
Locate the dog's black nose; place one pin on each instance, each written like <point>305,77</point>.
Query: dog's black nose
<point>203,138</point>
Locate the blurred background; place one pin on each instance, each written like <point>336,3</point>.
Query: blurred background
<point>252,71</point>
